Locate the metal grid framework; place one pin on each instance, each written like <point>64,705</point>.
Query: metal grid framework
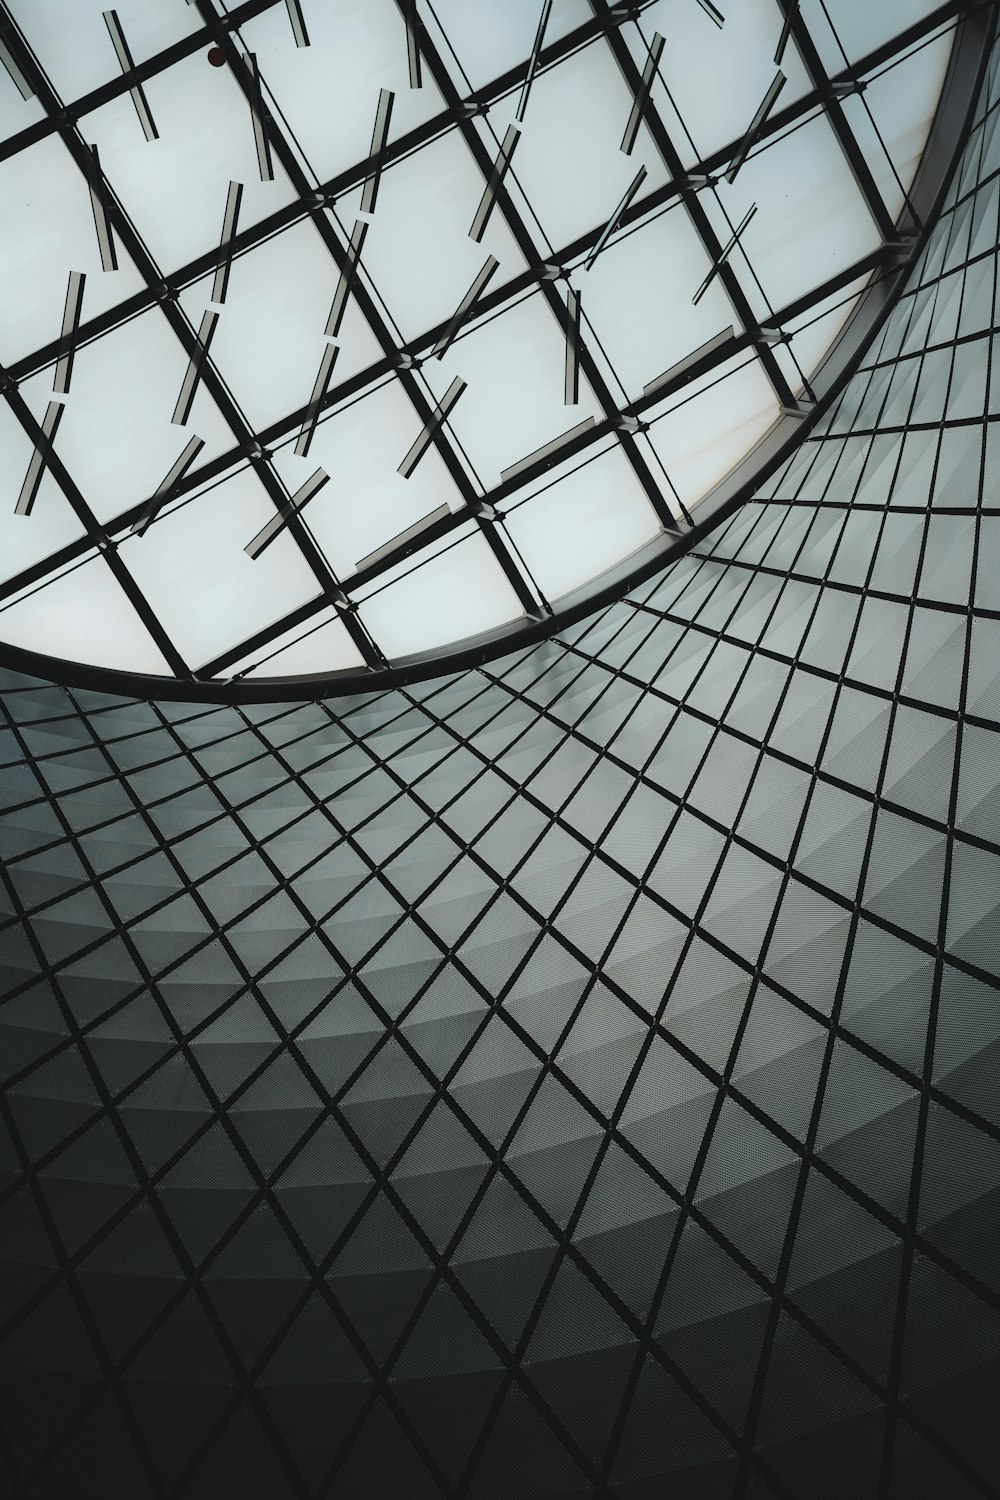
<point>334,601</point>
<point>574,1078</point>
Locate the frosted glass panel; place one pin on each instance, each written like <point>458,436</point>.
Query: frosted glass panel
<point>192,568</point>
<point>60,619</point>
<point>324,647</point>
<point>73,42</point>
<point>893,116</point>
<point>459,593</point>
<point>327,92</point>
<point>567,162</point>
<point>571,532</point>
<point>323,312</point>
<point>853,28</point>
<point>175,188</point>
<point>116,437</point>
<point>367,501</point>
<point>797,240</point>
<point>715,78</point>
<point>483,39</point>
<point>514,402</point>
<point>700,440</point>
<point>45,235</point>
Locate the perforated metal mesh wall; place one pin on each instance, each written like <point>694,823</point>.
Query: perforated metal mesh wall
<point>576,1077</point>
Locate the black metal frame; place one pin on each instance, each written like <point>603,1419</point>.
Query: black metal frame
<point>975,24</point>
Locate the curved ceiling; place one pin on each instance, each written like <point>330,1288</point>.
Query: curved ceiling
<point>499,292</point>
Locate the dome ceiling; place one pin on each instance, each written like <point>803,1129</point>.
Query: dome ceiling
<point>338,333</point>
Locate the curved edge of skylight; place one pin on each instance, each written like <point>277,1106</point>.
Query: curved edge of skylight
<point>928,191</point>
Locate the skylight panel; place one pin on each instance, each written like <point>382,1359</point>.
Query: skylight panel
<point>789,243</point>
<point>73,42</point>
<point>569,533</point>
<point>514,363</point>
<point>742,52</point>
<point>45,236</point>
<point>568,166</point>
<point>857,27</point>
<point>699,437</point>
<point>47,617</point>
<point>308,306</point>
<point>427,204</point>
<point>431,606</point>
<point>639,299</point>
<point>326,93</point>
<point>192,567</point>
<point>481,40</point>
<point>174,189</point>
<point>370,502</point>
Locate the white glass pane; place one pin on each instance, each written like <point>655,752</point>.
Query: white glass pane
<point>796,240</point>
<point>83,616</point>
<point>488,39</point>
<point>367,502</point>
<point>514,366</point>
<point>48,231</point>
<point>175,188</point>
<point>459,593</point>
<point>856,27</point>
<point>206,591</point>
<point>815,331</point>
<point>891,120</point>
<point>116,437</point>
<point>328,92</point>
<point>700,438</point>
<point>16,114</point>
<point>567,163</point>
<point>25,540</point>
<point>417,252</point>
<point>573,531</point>
<point>325,646</point>
<point>268,341</point>
<point>638,297</point>
<point>76,49</point>
<point>717,79</point>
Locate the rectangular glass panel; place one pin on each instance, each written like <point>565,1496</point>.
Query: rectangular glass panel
<point>63,618</point>
<point>367,502</point>
<point>192,568</point>
<point>459,592</point>
<point>47,233</point>
<point>574,530</point>
<point>175,188</point>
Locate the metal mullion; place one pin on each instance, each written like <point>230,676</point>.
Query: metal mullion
<point>856,159</point>
<point>528,249</point>
<point>213,381</point>
<point>96,539</point>
<point>699,218</point>
<point>361,297</point>
<point>344,181</point>
<point>121,83</point>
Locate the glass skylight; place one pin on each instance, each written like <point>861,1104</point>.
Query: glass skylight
<point>402,321</point>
